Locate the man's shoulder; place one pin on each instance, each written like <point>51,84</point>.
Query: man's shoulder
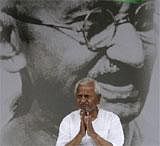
<point>73,115</point>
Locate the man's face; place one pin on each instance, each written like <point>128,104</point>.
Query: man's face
<point>56,61</point>
<point>86,97</point>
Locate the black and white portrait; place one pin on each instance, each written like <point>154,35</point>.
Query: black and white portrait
<point>46,46</point>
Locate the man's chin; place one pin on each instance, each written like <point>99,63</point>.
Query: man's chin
<point>87,109</point>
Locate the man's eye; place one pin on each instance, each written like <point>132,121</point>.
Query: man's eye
<point>79,96</point>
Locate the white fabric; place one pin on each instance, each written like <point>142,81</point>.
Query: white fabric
<point>107,125</point>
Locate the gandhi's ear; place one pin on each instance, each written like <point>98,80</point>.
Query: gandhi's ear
<point>7,24</point>
<point>11,56</point>
<point>9,31</point>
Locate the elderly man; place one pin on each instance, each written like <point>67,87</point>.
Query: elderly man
<point>90,125</point>
<point>63,41</point>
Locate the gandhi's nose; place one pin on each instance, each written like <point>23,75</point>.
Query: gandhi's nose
<point>127,46</point>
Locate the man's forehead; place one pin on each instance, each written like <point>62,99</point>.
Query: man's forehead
<point>30,7</point>
<point>89,85</point>
<point>59,9</point>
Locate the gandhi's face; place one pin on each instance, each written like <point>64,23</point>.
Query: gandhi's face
<point>56,61</point>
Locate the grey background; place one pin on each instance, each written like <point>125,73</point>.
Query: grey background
<point>10,88</point>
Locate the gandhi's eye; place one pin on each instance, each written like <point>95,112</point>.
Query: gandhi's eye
<point>143,16</point>
<point>95,20</point>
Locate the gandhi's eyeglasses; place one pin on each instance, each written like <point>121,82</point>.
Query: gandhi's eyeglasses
<point>93,22</point>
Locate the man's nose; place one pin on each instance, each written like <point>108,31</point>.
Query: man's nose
<point>127,46</point>
<point>83,99</point>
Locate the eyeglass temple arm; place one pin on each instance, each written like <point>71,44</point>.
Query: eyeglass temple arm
<point>27,19</point>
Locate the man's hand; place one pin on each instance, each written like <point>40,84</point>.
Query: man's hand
<point>92,133</point>
<point>88,124</point>
<point>83,127</point>
<point>82,132</point>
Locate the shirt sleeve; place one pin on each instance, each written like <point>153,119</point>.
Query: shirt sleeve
<point>116,136</point>
<point>64,132</point>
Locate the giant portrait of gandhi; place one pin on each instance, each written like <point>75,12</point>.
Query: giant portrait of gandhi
<point>54,43</point>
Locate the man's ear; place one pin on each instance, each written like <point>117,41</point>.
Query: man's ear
<point>13,60</point>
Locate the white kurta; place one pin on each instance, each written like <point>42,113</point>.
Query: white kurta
<point>107,125</point>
